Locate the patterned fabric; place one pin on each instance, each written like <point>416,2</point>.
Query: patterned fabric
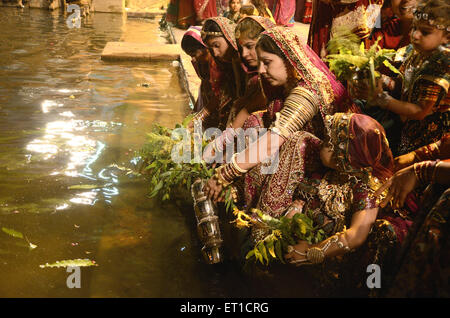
<point>273,193</point>
<point>426,83</point>
<point>315,77</point>
<point>359,146</point>
<point>264,22</point>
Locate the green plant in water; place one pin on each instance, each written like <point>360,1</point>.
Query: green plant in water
<point>349,59</point>
<point>281,233</point>
<point>166,175</point>
<point>19,235</point>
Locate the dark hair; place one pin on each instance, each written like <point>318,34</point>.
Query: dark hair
<point>438,10</point>
<point>266,44</point>
<point>190,45</point>
<point>210,26</point>
<point>261,6</point>
<point>247,9</point>
<point>248,28</point>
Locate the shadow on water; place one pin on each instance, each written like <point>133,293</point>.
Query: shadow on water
<point>66,119</point>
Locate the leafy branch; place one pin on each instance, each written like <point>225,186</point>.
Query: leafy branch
<point>349,58</point>
<point>281,233</point>
<point>166,175</point>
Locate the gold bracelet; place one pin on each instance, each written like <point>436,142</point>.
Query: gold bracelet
<point>236,166</point>
<point>434,172</point>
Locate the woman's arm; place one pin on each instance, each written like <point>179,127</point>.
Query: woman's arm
<point>407,179</point>
<point>433,151</point>
<point>338,244</point>
<point>299,107</point>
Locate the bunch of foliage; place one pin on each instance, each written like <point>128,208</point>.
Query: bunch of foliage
<point>281,233</point>
<point>167,176</point>
<point>349,59</point>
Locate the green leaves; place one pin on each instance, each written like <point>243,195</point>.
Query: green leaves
<point>282,232</point>
<point>19,235</point>
<point>12,232</point>
<point>348,57</point>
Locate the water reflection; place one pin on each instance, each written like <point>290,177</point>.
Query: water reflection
<point>60,181</point>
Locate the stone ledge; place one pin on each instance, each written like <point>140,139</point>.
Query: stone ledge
<point>126,51</point>
<point>145,14</point>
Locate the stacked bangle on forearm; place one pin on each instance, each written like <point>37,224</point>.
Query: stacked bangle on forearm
<point>227,173</point>
<point>201,115</point>
<point>428,152</point>
<point>223,140</point>
<point>425,171</point>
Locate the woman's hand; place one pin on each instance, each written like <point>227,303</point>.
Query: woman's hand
<point>297,253</point>
<point>361,89</point>
<point>213,190</point>
<point>295,207</point>
<point>404,161</point>
<point>209,152</point>
<point>399,185</point>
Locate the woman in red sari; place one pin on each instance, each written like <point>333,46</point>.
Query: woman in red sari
<point>395,31</point>
<point>205,9</point>
<point>192,44</point>
<point>227,77</point>
<point>181,13</point>
<point>344,203</point>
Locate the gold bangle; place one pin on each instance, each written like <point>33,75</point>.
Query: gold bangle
<point>434,172</point>
<point>236,166</point>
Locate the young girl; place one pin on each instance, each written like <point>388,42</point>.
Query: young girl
<point>234,10</point>
<point>226,76</point>
<point>262,10</point>
<point>425,100</point>
<point>193,46</point>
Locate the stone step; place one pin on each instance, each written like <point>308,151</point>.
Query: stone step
<point>145,52</point>
<point>145,14</point>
